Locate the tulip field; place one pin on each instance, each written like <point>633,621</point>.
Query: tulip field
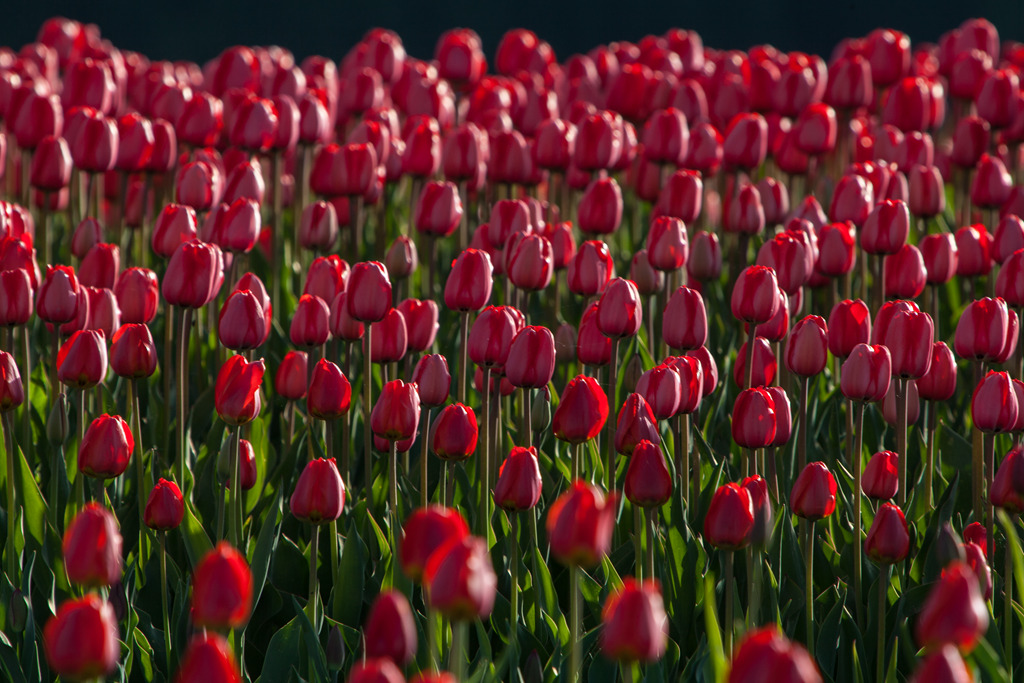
<point>656,363</point>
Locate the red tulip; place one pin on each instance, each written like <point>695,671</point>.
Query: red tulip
<point>291,377</point>
<point>807,347</point>
<point>330,393</point>
<point>927,197</point>
<point>92,548</point>
<point>519,482</point>
<point>401,260</point>
<point>59,295</point>
<point>976,533</point>
<point>454,433</point>
<point>600,208</point>
<point>838,249</point>
<point>635,626</point>
<point>318,227</point>
<point>767,656</point>
<point>426,530</point>
<point>530,264</point>
<point>648,482</point>
<point>51,165</point>
<point>765,364</point>
<point>1004,494</point>
<point>945,665</point>
<point>994,403</point>
<point>982,329</point>
<point>439,209</point>
<point>343,325</point>
<point>15,297</point>
<point>761,531</point>
<point>746,141</point>
<point>990,187</point>
<point>744,212</point>
<point>591,269</point>
<point>191,278</point>
<point>242,324</point>
<point>888,540</point>
<point>100,266</point>
<point>237,393</point>
<point>82,360</point>
<point>138,293</point>
<point>753,423</point>
<point>397,411</point>
<point>667,248</point>
<point>369,292</point>
<point>592,347</point>
<point>954,612</point>
<point>852,200</point>
<point>12,393</point>
<point>375,671</point>
<point>82,641</point>
<point>319,495</point>
<point>662,388</point>
<point>866,373</point>
<point>432,380</point>
<point>881,476</point>
<point>886,228</point>
<point>791,259</point>
<point>310,326</point>
<point>814,492</point>
<point>730,518</point>
<point>459,579</point>
<point>909,336</point>
<point>106,447</point>
<point>848,325</point>
<point>579,525</point>
<point>222,589</point>
<point>165,507</point>
<point>469,283</point>
<point>581,412</point>
<point>390,630</point>
<point>389,338</point>
<point>705,261</point>
<point>619,311</point>
<point>531,358</point>
<point>755,296</point>
<point>208,659</point>
<point>636,423</point>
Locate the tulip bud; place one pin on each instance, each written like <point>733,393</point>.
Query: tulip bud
<point>994,406</point>
<point>369,292</point>
<point>519,481</point>
<point>764,516</point>
<point>222,589</point>
<point>396,412</point>
<point>888,540</point>
<point>635,624</point>
<point>582,411</point>
<point>208,657</point>
<point>319,495</point>
<point>866,373</point>
<point>329,392</point>
<point>766,654</point>
<point>579,525</point>
<point>954,612</point>
<point>390,630</point>
<point>982,329</point>
<point>753,422</point>
<point>460,580</point>
<point>807,347</point>
<point>81,640</point>
<point>648,482</point>
<point>82,359</point>
<point>237,392</point>
<point>591,269</point>
<point>619,311</point>
<point>290,379</point>
<point>469,283</point>
<point>755,297</point>
<point>12,393</point>
<point>426,530</point>
<point>454,434</point>
<point>106,448</point>
<point>92,547</point>
<point>730,518</point>
<point>165,507</point>
<point>432,380</point>
<point>814,492</point>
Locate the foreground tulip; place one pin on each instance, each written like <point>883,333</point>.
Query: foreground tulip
<point>881,476</point>
<point>319,495</point>
<point>954,613</point>
<point>375,671</point>
<point>82,641</point>
<point>866,373</point>
<point>945,665</point>
<point>390,630</point>
<point>460,581</point>
<point>329,392</point>
<point>813,497</point>
<point>519,481</point>
<point>730,518</point>
<point>767,656</point>
<point>190,280</point>
<point>454,435</point>
<point>12,393</point>
<point>92,548</point>
<point>426,530</point>
<point>106,448</point>
<point>635,624</point>
<point>82,360</point>
<point>222,589</point>
<point>753,419</point>
<point>237,393</point>
<point>208,658</point>
<point>579,525</point>
<point>888,540</point>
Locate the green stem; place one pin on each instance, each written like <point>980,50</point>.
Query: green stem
<point>683,456</point>
<point>313,558</point>
<point>367,409</point>
<point>749,379</point>
<point>638,550</point>
<point>332,540</point>
<point>933,414</point>
<point>484,459</point>
<point>424,452</point>
<point>801,443</point>
<point>464,355</point>
<point>140,464</point>
<point>163,597</point>
<point>235,497</point>
<point>393,483</point>
<point>457,654</point>
<point>12,507</point>
<point>27,447</point>
<point>901,438</point>
<point>513,558</point>
<point>528,416</point>
<point>186,328</point>
<point>989,444</point>
<point>1008,605</point>
<point>809,582</point>
<point>650,512</point>
<point>576,653</point>
<point>609,463</point>
<point>432,654</point>
<point>883,588</point>
<point>727,621</point>
<point>858,476</point>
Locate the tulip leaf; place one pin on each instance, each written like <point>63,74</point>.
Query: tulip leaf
<point>714,635</point>
<point>9,662</point>
<point>826,642</point>
<point>309,634</point>
<point>264,548</point>
<point>144,656</point>
<point>284,652</point>
<point>351,575</point>
<point>197,543</point>
<point>32,503</point>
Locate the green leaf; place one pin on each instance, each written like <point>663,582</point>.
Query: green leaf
<point>264,549</point>
<point>197,543</point>
<point>284,652</point>
<point>351,577</point>
<point>714,635</point>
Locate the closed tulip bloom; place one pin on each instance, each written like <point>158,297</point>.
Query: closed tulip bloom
<point>945,665</point>
<point>866,373</point>
<point>849,324</point>
<point>619,311</point>
<point>730,518</point>
<point>837,245</point>
<point>291,377</point>
<point>242,324</point>
<point>764,516</point>
<point>138,294</point>
<point>396,412</point>
<point>375,671</point>
<point>807,347</point>
<point>490,338</point>
<point>994,406</point>
<point>939,383</point>
<point>12,393</point>
<point>767,656</point>
<point>975,533</point>
<point>195,185</point>
<point>208,659</point>
<point>635,626</point>
<point>100,266</point>
<point>51,165</point>
<point>319,495</point>
<point>591,269</point>
<point>744,212</point>
<point>592,347</point>
<point>222,589</point>
<point>390,630</point>
<point>909,337</point>
<point>389,338</point>
<point>329,393</point>
<point>469,283</point>
<point>746,141</point>
<point>600,207</point>
<point>402,259</point>
<point>852,200</point>
<point>1004,494</point>
<point>369,292</point>
<point>814,492</point>
<point>753,419</point>
<point>106,447</point>
<point>420,324</point>
<point>905,273</point>
<point>432,380</point>
<point>765,364</point>
<point>974,251</point>
<point>237,392</point>
<point>579,525</point>
<point>685,324</point>
<point>165,507</point>
<point>889,411</point>
<point>318,227</point>
<point>15,297</point>
<point>662,388</point>
<point>927,197</point>
<point>705,261</point>
<point>82,642</point>
<point>691,382</point>
<point>886,228</point>
<point>58,297</point>
<point>439,209</point>
<point>426,530</point>
<point>648,482</point>
<point>636,423</point>
<point>954,612</point>
<point>755,297</point>
<point>888,540</point>
<point>191,278</point>
<point>581,412</point>
<point>982,329</point>
<point>881,476</point>
<point>530,265</point>
<point>92,548</point>
<point>519,481</point>
<point>991,184</point>
<point>343,325</point>
<point>327,276</point>
<point>460,580</point>
<point>791,259</point>
<point>310,326</point>
<point>82,360</point>
<point>531,358</point>
<point>667,248</point>
<point>454,433</point>
<point>783,416</point>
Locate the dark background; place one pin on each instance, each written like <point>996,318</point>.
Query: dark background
<point>189,29</point>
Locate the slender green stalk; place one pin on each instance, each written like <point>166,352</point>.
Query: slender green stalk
<point>513,559</point>
<point>883,588</point>
<point>683,456</point>
<point>990,517</point>
<point>749,379</point>
<point>650,512</point>
<point>27,446</point>
<point>367,408</point>
<point>457,654</point>
<point>901,438</point>
<point>576,652</point>
<point>1008,605</point>
<point>609,462</point>
<point>235,495</point>
<point>727,620</point>
<point>432,654</point>
<point>163,597</point>
<point>424,492</point>
<point>12,505</point>
<point>463,355</point>
<point>140,462</point>
<point>484,459</point>
<point>393,483</point>
<point>528,416</point>
<point>933,415</point>
<point>801,444</point>
<point>186,329</point>
<point>809,582</point>
<point>313,559</point>
<point>858,477</point>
